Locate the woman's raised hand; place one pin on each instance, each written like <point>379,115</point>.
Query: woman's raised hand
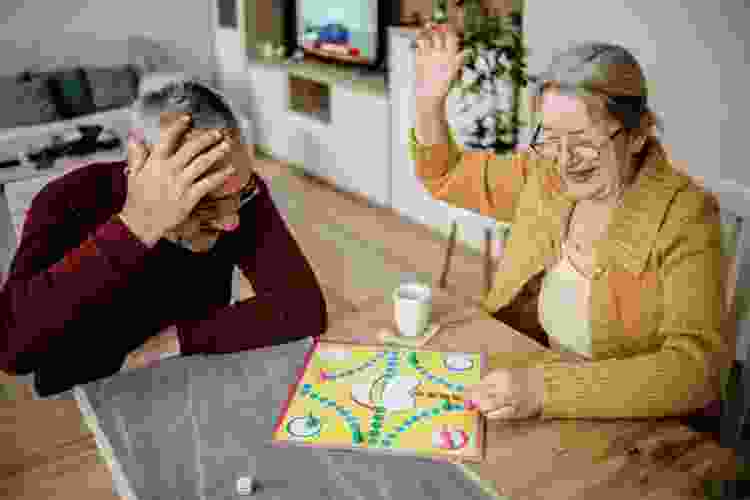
<point>438,62</point>
<point>162,186</point>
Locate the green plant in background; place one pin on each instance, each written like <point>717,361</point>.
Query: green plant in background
<point>440,11</point>
<point>493,74</point>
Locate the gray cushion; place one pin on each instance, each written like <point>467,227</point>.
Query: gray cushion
<point>71,92</point>
<point>25,102</point>
<point>112,87</point>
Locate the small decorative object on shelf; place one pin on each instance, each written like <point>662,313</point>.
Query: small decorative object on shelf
<point>483,103</point>
<point>267,50</point>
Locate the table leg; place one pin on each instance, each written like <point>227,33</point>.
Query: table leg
<point>7,236</point>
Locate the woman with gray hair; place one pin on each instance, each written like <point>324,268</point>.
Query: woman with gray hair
<point>113,253</point>
<point>613,254</point>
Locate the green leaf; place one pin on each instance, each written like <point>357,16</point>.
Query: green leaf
<point>743,303</point>
<point>713,489</point>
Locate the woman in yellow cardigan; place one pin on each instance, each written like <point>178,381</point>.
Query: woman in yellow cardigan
<point>613,253</point>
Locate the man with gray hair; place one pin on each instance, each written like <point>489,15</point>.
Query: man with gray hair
<point>113,252</point>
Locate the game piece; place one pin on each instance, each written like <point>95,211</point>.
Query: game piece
<point>245,485</point>
<point>384,399</point>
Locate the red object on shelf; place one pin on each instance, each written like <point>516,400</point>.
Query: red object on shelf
<point>354,51</point>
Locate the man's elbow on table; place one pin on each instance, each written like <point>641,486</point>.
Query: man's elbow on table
<point>13,360</point>
<point>315,314</point>
<point>308,311</point>
<point>13,364</point>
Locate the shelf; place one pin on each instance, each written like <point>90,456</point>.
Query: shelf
<point>329,74</point>
<point>310,98</point>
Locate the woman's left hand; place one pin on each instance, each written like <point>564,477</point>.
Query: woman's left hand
<point>512,394</point>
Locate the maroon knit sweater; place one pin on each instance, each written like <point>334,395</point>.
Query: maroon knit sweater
<point>83,291</point>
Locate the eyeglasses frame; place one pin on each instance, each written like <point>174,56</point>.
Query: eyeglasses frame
<point>598,148</point>
<point>246,195</point>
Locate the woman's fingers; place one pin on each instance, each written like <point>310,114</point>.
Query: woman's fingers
<point>483,400</point>
<point>505,413</point>
<point>424,43</point>
<point>487,399</point>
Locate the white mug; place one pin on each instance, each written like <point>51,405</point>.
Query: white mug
<point>413,307</point>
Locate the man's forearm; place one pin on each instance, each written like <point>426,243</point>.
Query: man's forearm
<point>288,302</point>
<point>431,124</point>
<point>84,277</point>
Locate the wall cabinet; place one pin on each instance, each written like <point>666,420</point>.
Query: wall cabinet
<point>351,150</point>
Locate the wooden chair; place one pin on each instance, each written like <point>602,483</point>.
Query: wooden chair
<point>489,264</point>
<point>736,382</point>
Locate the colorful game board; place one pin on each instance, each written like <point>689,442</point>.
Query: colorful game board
<point>384,399</point>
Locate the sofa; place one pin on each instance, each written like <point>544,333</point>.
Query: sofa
<point>37,106</point>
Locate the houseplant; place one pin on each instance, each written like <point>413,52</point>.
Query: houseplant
<point>483,103</point>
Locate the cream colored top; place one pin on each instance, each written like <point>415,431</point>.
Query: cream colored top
<point>564,306</point>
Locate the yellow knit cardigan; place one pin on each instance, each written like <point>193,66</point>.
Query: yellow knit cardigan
<point>657,293</point>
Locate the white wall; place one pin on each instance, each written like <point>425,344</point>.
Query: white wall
<point>44,33</point>
<point>693,53</point>
<point>232,68</point>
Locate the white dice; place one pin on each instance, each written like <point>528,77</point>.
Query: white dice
<point>245,485</point>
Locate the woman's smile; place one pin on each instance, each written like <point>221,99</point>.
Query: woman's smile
<point>582,175</point>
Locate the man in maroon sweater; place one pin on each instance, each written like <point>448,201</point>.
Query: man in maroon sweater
<point>110,256</point>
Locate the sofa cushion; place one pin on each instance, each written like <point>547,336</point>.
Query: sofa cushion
<point>71,92</point>
<point>25,100</point>
<point>112,87</point>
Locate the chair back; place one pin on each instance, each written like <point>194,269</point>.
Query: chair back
<point>734,255</point>
<point>735,381</point>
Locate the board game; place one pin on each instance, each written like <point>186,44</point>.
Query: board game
<point>384,399</point>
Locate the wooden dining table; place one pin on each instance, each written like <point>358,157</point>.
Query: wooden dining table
<point>558,458</point>
<point>46,450</point>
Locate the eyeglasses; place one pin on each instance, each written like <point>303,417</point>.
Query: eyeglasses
<point>583,150</point>
<point>207,207</point>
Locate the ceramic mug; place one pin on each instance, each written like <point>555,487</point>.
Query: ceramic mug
<point>412,308</point>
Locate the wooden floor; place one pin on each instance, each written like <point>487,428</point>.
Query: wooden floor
<point>46,451</point>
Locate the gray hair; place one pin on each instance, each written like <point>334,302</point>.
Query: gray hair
<point>605,70</point>
<point>207,107</point>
